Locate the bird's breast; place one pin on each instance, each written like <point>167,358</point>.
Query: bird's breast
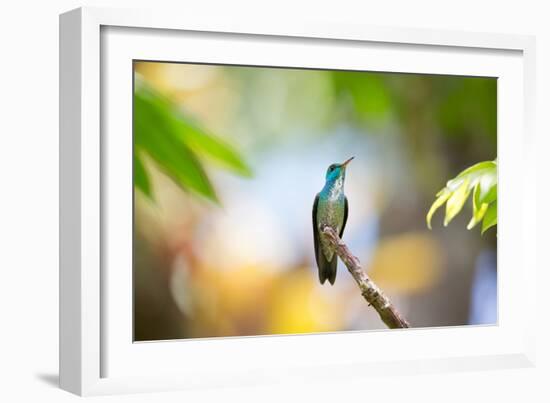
<point>330,211</point>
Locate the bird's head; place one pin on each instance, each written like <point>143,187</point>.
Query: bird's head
<point>336,171</point>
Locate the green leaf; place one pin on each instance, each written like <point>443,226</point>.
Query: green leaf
<point>180,140</point>
<point>155,135</point>
<point>442,197</point>
<point>478,209</point>
<point>197,138</point>
<point>478,169</point>
<point>141,180</point>
<point>456,201</point>
<point>202,142</point>
<point>490,218</point>
<point>488,188</point>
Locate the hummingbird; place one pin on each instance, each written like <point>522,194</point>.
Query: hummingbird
<point>330,208</point>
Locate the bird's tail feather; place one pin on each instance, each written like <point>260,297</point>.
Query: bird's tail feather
<point>327,269</point>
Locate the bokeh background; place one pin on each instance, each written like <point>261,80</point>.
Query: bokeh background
<point>223,242</point>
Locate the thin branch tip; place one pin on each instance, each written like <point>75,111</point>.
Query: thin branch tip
<point>374,296</point>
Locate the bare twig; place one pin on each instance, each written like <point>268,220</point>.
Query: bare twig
<point>370,291</point>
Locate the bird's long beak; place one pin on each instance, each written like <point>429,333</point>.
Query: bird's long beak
<point>347,162</point>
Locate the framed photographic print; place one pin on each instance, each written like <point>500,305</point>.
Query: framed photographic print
<point>245,202</point>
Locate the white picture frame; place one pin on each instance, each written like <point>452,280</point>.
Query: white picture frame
<point>97,355</point>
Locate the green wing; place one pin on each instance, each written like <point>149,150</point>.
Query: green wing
<point>316,233</point>
<point>327,269</point>
<point>345,217</point>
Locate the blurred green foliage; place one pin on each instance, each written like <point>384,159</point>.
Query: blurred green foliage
<point>375,97</point>
<point>459,113</point>
<point>369,94</point>
<point>480,180</point>
<point>175,142</point>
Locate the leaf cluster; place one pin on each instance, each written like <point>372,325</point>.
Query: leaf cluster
<point>480,180</point>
